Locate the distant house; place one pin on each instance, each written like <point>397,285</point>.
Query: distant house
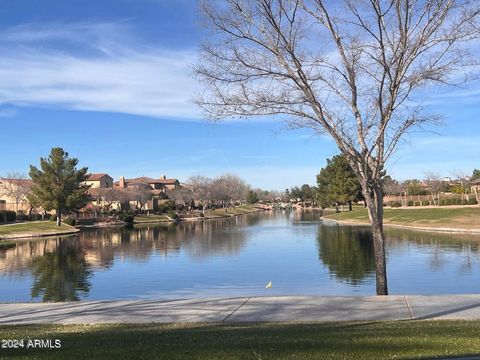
<point>99,181</point>
<point>13,191</point>
<point>475,185</point>
<point>155,184</point>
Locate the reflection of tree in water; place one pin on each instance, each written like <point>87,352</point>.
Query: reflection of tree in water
<point>61,275</point>
<point>347,252</point>
<point>438,245</point>
<point>215,238</point>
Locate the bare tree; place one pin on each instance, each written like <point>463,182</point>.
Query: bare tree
<point>16,186</point>
<point>462,179</point>
<point>140,194</point>
<point>201,187</point>
<point>349,69</point>
<point>435,184</point>
<point>181,196</point>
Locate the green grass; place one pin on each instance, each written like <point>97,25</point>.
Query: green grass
<point>244,209</point>
<point>36,227</point>
<point>468,218</point>
<point>340,340</point>
<point>152,218</point>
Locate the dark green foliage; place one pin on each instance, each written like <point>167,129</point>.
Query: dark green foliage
<point>252,197</point>
<point>395,204</point>
<point>52,218</point>
<point>475,175</point>
<point>165,206</point>
<point>172,215</point>
<point>418,203</point>
<point>425,203</point>
<point>410,203</point>
<point>58,185</point>
<point>7,216</point>
<point>69,221</point>
<point>337,183</point>
<point>126,216</point>
<point>472,201</point>
<point>21,216</point>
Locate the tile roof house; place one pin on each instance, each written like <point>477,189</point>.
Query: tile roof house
<point>96,181</point>
<point>155,184</point>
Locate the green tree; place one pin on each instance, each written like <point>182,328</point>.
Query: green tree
<point>58,185</point>
<point>475,175</point>
<point>252,197</point>
<point>337,184</point>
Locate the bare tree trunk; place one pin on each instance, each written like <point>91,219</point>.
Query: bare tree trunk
<point>59,217</point>
<point>374,202</point>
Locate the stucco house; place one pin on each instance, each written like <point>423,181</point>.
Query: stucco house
<point>155,184</point>
<point>99,181</point>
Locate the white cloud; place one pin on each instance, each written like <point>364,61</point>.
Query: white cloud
<point>94,67</point>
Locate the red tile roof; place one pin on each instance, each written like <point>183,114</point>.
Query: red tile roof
<point>148,180</point>
<point>96,177</point>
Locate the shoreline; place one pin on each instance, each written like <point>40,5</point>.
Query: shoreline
<point>407,227</point>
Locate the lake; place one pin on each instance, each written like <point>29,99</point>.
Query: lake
<point>297,252</point>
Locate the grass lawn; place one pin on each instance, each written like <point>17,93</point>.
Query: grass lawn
<point>35,227</point>
<point>446,217</point>
<point>341,340</point>
<point>152,218</point>
<point>244,209</point>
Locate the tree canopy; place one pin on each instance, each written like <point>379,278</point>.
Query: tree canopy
<point>337,184</point>
<point>59,184</point>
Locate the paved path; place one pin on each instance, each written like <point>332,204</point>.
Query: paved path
<point>246,309</point>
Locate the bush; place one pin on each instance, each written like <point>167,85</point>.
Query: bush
<point>21,216</point>
<point>472,201</point>
<point>395,204</point>
<point>126,216</point>
<point>425,203</point>
<point>456,201</point>
<point>447,202</point>
<point>7,216</point>
<point>464,202</point>
<point>165,206</point>
<point>172,215</point>
<point>53,218</point>
<point>418,203</point>
<point>69,221</point>
<point>410,203</point>
<point>36,217</point>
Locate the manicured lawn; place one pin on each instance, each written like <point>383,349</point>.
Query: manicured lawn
<point>152,218</point>
<point>245,209</point>
<point>445,217</point>
<point>342,340</point>
<point>37,227</point>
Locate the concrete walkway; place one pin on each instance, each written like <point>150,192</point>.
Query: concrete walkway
<point>246,309</point>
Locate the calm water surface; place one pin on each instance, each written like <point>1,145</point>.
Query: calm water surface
<point>235,257</point>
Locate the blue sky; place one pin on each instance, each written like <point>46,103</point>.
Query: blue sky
<point>111,82</point>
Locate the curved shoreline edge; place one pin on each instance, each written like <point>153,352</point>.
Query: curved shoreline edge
<point>37,235</point>
<point>407,227</point>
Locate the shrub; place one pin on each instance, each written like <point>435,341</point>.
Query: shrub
<point>7,216</point>
<point>165,206</point>
<point>472,201</point>
<point>395,204</point>
<point>69,221</point>
<point>447,202</point>
<point>418,203</point>
<point>53,218</point>
<point>36,217</point>
<point>464,202</point>
<point>126,216</point>
<point>425,203</point>
<point>172,215</point>
<point>21,216</point>
<point>410,203</point>
<point>456,201</point>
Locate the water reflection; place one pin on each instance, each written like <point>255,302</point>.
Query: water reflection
<point>61,275</point>
<point>301,254</point>
<point>347,252</point>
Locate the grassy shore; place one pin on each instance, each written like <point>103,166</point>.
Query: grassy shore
<point>152,218</point>
<point>35,228</point>
<point>340,340</point>
<point>467,218</point>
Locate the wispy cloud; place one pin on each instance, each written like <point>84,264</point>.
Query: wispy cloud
<point>94,67</point>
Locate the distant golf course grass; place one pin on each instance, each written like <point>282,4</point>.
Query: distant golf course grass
<point>341,340</point>
<point>445,217</point>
